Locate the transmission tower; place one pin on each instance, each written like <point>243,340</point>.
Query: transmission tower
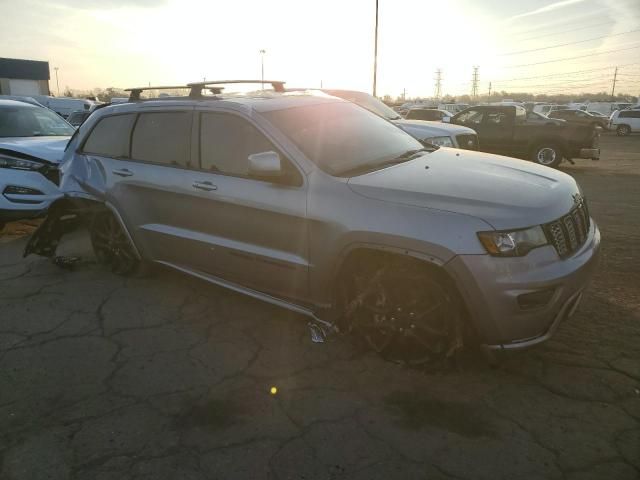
<point>474,82</point>
<point>438,83</point>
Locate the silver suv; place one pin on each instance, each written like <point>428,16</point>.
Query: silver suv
<point>319,206</point>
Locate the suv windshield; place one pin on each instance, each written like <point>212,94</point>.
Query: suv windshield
<point>367,101</point>
<point>341,137</point>
<point>30,121</point>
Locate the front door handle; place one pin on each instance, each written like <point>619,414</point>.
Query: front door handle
<point>206,186</point>
<point>123,172</point>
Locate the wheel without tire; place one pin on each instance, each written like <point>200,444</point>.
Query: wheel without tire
<point>112,245</point>
<point>401,311</point>
<point>623,130</point>
<point>548,155</point>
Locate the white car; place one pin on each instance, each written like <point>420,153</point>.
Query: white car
<point>435,133</point>
<point>65,106</point>
<point>625,122</point>
<point>32,143</point>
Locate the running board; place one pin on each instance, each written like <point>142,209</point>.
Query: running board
<point>321,324</point>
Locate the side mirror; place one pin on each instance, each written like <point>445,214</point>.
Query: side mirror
<point>446,119</point>
<point>265,164</point>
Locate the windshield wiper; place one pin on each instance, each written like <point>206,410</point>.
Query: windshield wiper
<point>411,154</point>
<point>372,166</point>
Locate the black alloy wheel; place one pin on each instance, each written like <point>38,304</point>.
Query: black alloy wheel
<point>112,245</point>
<point>404,313</point>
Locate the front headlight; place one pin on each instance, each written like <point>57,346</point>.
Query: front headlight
<point>439,141</point>
<point>19,163</point>
<point>516,243</point>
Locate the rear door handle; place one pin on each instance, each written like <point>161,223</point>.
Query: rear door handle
<point>206,186</point>
<point>123,172</point>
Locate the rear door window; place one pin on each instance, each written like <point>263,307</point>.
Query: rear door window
<point>496,117</point>
<point>110,137</point>
<point>163,137</point>
<point>470,117</point>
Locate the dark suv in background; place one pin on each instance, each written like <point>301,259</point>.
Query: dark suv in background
<point>505,130</point>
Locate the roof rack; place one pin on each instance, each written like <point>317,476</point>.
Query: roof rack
<point>134,96</point>
<point>197,87</point>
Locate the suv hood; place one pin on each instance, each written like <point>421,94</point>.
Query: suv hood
<point>50,149</point>
<point>504,192</point>
<point>422,129</point>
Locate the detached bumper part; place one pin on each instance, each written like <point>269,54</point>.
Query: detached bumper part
<point>592,153</point>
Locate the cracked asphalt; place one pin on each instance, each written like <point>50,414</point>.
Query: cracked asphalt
<point>168,377</point>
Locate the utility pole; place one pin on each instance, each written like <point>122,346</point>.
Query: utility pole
<point>474,82</point>
<point>262,52</point>
<point>489,91</point>
<point>57,84</point>
<point>613,89</point>
<point>438,83</point>
<point>375,54</point>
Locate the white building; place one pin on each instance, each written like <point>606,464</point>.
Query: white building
<point>23,77</point>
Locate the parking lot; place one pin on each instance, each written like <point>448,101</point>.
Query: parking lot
<point>168,377</point>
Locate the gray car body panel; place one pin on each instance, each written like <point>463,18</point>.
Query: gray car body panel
<point>289,242</point>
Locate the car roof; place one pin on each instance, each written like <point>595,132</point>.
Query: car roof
<point>253,101</point>
<point>431,109</point>
<point>17,103</point>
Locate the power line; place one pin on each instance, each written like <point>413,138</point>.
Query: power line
<point>567,31</point>
<point>572,58</point>
<point>564,73</point>
<point>578,80</point>
<point>568,43</point>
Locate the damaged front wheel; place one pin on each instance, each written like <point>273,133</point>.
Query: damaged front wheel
<point>402,311</point>
<point>112,245</point>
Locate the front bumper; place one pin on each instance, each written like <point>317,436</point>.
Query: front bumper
<point>18,206</point>
<point>592,153</point>
<point>493,287</point>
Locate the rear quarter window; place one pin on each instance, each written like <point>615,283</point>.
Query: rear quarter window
<point>110,137</point>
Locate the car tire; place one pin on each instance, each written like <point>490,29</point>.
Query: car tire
<point>623,130</point>
<point>113,248</point>
<point>402,310</point>
<point>547,154</point>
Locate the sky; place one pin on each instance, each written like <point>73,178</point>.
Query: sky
<point>523,45</point>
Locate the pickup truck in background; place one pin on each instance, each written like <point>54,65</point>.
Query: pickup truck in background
<point>505,130</point>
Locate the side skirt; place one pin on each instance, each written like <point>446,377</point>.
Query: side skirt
<point>248,291</point>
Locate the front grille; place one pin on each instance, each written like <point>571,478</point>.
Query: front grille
<point>568,233</point>
<point>467,142</point>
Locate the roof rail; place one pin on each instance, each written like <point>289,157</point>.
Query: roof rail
<point>197,87</point>
<point>134,96</point>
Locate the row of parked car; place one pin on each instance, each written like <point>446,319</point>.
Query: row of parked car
<point>623,121</point>
<point>355,217</point>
